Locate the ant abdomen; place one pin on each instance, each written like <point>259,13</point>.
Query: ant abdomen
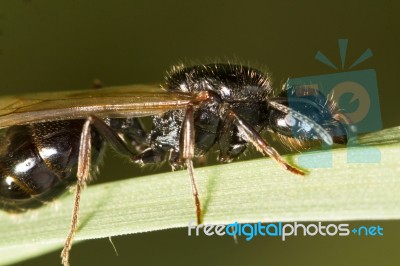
<point>38,162</point>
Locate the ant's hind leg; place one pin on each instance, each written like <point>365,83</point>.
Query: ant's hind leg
<point>83,174</point>
<point>84,166</point>
<point>150,156</point>
<point>133,131</point>
<point>111,136</point>
<point>146,156</point>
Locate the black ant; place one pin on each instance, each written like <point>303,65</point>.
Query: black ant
<point>54,141</point>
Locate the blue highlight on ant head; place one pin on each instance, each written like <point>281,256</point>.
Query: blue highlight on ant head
<point>355,94</point>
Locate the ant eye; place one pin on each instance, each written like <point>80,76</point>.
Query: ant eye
<point>290,120</point>
<point>295,126</point>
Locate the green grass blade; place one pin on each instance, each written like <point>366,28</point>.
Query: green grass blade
<point>249,191</point>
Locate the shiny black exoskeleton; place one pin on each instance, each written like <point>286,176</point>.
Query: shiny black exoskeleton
<point>247,91</point>
<point>38,162</point>
<point>242,88</point>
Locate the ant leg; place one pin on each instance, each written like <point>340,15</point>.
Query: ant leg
<point>82,176</point>
<point>83,172</point>
<point>133,130</point>
<point>231,145</point>
<point>151,155</point>
<point>261,145</point>
<point>111,136</point>
<point>224,139</point>
<point>187,153</point>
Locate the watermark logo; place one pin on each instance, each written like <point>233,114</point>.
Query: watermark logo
<point>355,93</point>
<point>282,230</point>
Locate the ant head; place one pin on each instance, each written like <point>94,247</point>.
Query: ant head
<point>299,116</point>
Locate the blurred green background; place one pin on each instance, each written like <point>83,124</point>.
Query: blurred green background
<point>65,45</point>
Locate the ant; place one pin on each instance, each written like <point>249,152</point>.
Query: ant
<point>55,141</point>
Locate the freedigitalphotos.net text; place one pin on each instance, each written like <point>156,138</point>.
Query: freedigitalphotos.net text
<point>282,230</point>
